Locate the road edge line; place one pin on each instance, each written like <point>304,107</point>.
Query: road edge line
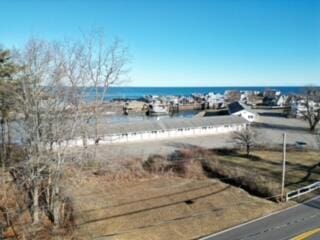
<point>307,234</point>
<point>258,219</point>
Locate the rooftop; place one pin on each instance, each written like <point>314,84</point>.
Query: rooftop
<point>170,124</point>
<point>235,107</point>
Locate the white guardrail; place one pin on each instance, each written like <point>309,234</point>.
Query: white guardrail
<point>303,190</point>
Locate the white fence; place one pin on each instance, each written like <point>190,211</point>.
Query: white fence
<point>303,190</point>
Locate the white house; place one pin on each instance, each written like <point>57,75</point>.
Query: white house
<point>237,109</point>
<point>298,107</point>
<point>281,100</point>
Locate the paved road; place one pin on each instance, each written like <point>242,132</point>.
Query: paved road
<point>284,225</point>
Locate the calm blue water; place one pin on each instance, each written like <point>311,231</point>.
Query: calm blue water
<point>139,92</point>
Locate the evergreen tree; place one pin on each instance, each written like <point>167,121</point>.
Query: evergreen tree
<point>7,92</point>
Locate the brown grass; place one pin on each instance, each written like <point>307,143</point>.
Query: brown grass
<point>15,217</point>
<point>261,172</point>
<point>172,165</point>
<point>159,207</point>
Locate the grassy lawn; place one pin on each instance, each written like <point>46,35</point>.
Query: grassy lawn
<point>301,166</point>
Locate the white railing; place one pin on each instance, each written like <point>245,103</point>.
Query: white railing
<point>303,190</point>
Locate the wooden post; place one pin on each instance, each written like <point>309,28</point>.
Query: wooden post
<point>283,165</point>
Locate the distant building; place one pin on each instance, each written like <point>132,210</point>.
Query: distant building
<point>281,101</point>
<point>271,93</point>
<point>164,129</point>
<point>275,100</point>
<point>237,109</point>
<point>299,107</point>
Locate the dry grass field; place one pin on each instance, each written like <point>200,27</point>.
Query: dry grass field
<point>131,202</point>
<point>169,207</point>
<point>160,207</point>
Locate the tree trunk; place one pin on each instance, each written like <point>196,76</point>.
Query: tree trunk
<point>35,213</point>
<point>248,150</point>
<point>56,207</point>
<point>3,139</point>
<point>8,141</point>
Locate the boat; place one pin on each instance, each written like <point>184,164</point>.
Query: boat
<point>156,109</point>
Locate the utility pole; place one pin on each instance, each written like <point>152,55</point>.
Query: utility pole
<point>283,164</point>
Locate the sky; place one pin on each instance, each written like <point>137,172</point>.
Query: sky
<point>186,42</point>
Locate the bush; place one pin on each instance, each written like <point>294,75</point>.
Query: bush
<point>190,168</point>
<point>179,163</point>
<point>156,164</point>
<point>121,171</point>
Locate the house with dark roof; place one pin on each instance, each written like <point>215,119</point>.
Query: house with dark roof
<point>237,109</point>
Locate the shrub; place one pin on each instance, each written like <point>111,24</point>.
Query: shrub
<point>156,164</point>
<point>190,168</point>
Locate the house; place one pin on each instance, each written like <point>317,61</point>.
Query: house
<point>269,101</point>
<point>274,100</point>
<point>271,93</point>
<point>237,109</point>
<point>281,101</point>
<point>299,107</point>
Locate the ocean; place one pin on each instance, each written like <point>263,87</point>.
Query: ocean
<point>140,92</point>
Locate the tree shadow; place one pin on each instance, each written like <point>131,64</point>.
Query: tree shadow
<point>156,207</point>
<point>307,176</point>
<point>151,198</point>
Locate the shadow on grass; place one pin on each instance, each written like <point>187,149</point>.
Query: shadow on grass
<point>156,207</point>
<point>152,198</point>
<point>306,178</point>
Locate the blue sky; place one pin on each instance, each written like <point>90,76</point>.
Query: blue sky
<point>186,43</point>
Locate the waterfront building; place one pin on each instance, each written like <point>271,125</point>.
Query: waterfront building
<point>165,129</point>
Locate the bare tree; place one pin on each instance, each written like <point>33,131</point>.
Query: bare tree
<point>49,121</point>
<point>245,138</point>
<point>311,103</point>
<point>52,100</point>
<point>105,66</point>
